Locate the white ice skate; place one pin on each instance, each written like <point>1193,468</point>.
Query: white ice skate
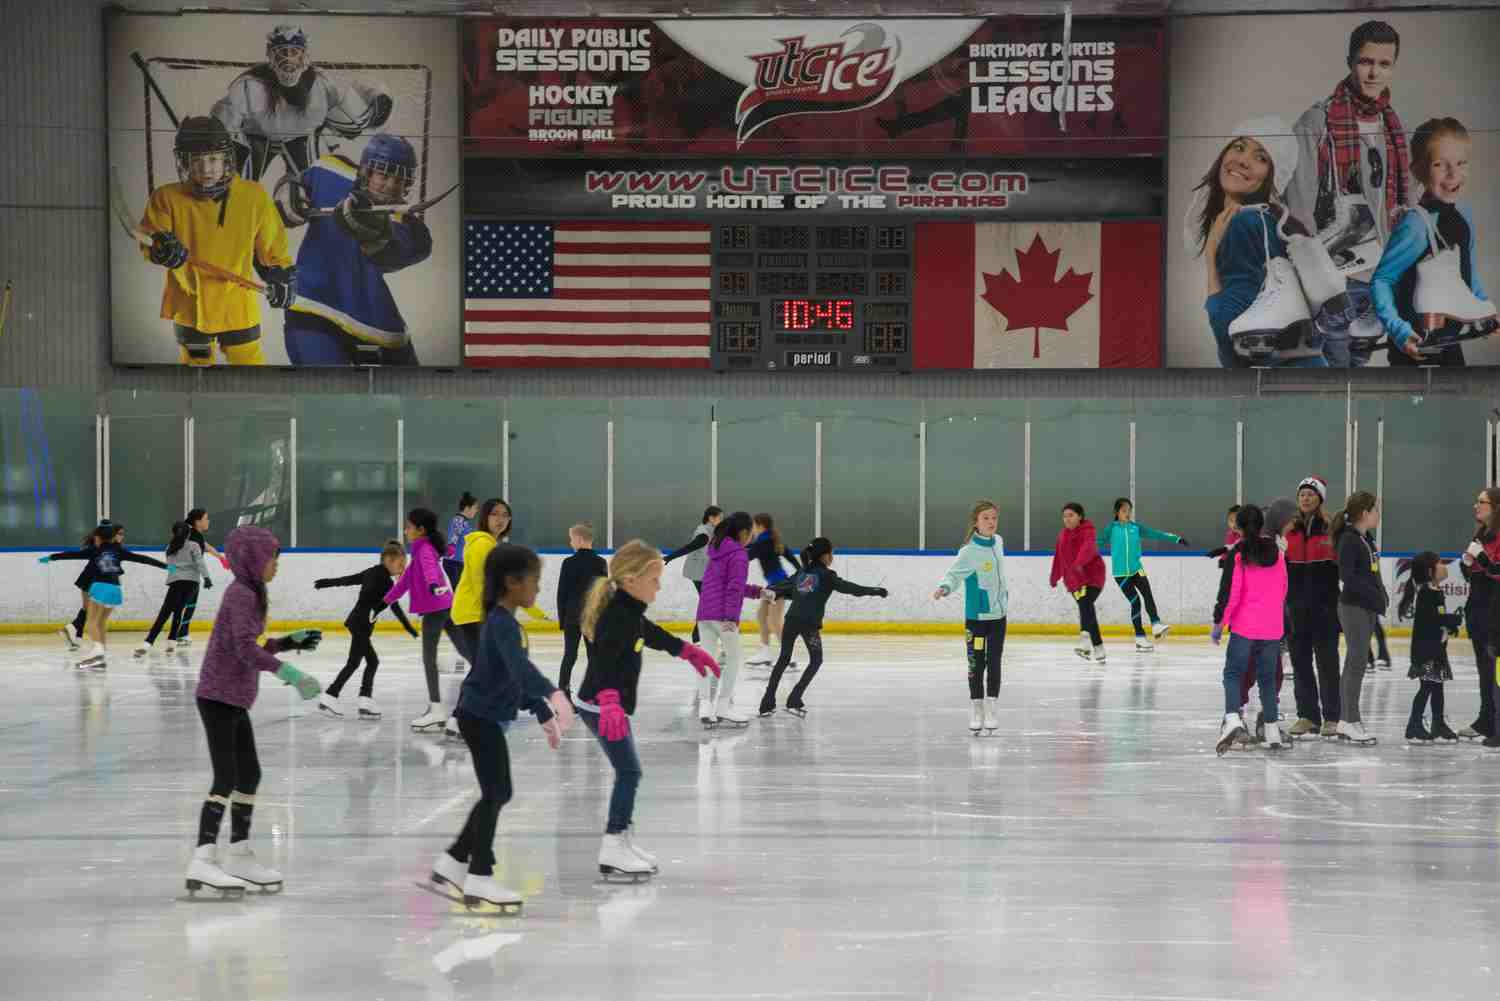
<point>1326,288</point>
<point>483,892</point>
<point>450,728</point>
<point>1084,647</point>
<point>448,871</point>
<point>640,852</point>
<point>991,716</point>
<point>1352,242</point>
<point>239,861</point>
<point>1353,733</point>
<point>1273,738</point>
<point>170,646</point>
<point>204,873</point>
<point>976,716</point>
<point>328,705</point>
<point>66,632</point>
<point>368,710</point>
<point>144,650</point>
<point>1159,629</point>
<point>728,715</point>
<point>1278,324</point>
<point>432,719</point>
<point>617,861</point>
<point>1233,728</point>
<point>761,656</point>
<point>1441,296</point>
<point>1094,656</point>
<point>1143,644</point>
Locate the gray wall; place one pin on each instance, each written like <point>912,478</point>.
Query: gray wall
<point>54,230</point>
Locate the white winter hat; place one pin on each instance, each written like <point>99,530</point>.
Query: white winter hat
<point>1276,136</point>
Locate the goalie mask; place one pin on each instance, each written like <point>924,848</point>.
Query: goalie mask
<point>286,53</point>
<point>205,156</point>
<point>387,168</point>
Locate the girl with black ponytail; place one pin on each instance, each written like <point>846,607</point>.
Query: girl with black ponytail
<point>186,573</point>
<point>1422,601</point>
<point>431,598</point>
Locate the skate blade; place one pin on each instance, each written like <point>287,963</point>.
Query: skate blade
<point>482,908</point>
<point>330,713</point>
<point>429,728</point>
<point>609,874</point>
<point>799,712</point>
<point>221,892</point>
<point>730,724</point>
<point>265,889</point>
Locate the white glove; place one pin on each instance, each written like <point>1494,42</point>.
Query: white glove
<point>1474,550</point>
<point>1281,543</point>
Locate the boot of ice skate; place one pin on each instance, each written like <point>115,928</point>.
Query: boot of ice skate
<point>1442,297</point>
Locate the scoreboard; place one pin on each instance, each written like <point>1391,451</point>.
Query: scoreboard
<point>825,295</point>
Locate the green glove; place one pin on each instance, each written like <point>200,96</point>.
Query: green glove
<point>307,686</point>
<point>302,639</point>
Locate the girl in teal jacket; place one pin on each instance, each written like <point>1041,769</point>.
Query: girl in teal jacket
<point>1122,537</point>
<point>980,568</point>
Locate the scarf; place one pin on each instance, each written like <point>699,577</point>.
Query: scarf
<point>1345,108</point>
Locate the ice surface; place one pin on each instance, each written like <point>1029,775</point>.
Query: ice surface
<point>1095,848</point>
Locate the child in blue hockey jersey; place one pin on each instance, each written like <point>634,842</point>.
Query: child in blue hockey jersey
<point>345,313</point>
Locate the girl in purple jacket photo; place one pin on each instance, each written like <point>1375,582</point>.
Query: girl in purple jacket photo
<point>227,686</point>
<point>725,590</point>
<point>431,598</point>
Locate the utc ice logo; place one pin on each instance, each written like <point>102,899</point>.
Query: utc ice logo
<point>802,79</point>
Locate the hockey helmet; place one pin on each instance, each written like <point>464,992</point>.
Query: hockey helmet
<point>203,135</point>
<point>392,156</point>
<point>286,52</point>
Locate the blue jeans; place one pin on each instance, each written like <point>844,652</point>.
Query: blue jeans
<point>1244,655</point>
<point>1336,335</point>
<point>627,766</point>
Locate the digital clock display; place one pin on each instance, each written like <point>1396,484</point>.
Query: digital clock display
<point>830,315</point>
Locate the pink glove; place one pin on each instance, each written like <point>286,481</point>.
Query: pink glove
<point>613,723</point>
<point>699,658</point>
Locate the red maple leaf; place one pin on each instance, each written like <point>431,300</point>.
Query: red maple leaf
<point>1037,299</point>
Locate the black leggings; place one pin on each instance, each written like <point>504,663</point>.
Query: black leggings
<point>1476,622</point>
<point>231,749</point>
<point>1380,644</point>
<point>985,641</point>
<point>1315,640</point>
<point>1429,690</point>
<point>812,638</point>
<point>491,755</point>
<point>434,624</point>
<point>697,586</point>
<point>1088,619</point>
<point>466,638</point>
<point>179,604</point>
<point>572,634</point>
<point>1137,589</point>
<point>361,648</point>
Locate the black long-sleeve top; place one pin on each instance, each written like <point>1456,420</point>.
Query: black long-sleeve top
<point>698,542</point>
<point>1359,573</point>
<point>763,550</point>
<point>620,635</point>
<point>373,585</point>
<point>810,591</point>
<point>105,562</point>
<point>578,572</point>
<point>1431,622</point>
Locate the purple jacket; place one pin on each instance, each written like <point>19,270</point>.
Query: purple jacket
<point>425,579</point>
<point>724,587</point>
<point>233,661</point>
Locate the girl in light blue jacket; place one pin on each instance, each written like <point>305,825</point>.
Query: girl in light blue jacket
<point>980,568</point>
<point>1123,540</point>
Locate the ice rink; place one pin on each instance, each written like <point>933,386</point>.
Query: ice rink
<point>1095,848</point>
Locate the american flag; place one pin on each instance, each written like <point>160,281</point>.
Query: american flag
<point>586,294</point>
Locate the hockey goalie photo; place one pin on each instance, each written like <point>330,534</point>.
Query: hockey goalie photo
<point>283,191</point>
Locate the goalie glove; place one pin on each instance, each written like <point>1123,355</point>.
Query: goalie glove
<point>281,285</point>
<point>371,230</point>
<point>380,110</point>
<point>167,250</point>
<point>292,201</point>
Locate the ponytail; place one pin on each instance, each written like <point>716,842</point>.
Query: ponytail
<point>425,521</point>
<point>181,532</point>
<point>632,559</point>
<point>770,523</point>
<point>467,500</point>
<point>1355,507</point>
<point>731,527</point>
<point>1257,546</point>
<point>1422,568</point>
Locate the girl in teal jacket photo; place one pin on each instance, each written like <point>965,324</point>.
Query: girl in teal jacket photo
<point>1122,537</point>
<point>980,568</point>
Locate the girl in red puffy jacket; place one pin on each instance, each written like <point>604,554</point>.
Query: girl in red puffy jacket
<point>1076,562</point>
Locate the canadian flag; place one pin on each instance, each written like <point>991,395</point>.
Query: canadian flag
<point>1038,295</point>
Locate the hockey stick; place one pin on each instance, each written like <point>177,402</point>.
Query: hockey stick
<point>392,209</point>
<point>140,63</point>
<point>122,213</point>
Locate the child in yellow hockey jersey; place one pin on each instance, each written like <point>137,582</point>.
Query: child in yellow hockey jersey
<point>213,218</point>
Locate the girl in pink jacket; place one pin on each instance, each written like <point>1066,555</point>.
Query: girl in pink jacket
<point>1255,617</point>
<point>431,598</point>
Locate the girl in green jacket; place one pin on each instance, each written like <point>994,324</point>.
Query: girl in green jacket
<point>1123,538</point>
<point>980,570</point>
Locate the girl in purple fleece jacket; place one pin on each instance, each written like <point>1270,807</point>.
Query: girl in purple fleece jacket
<point>227,686</point>
<point>725,590</point>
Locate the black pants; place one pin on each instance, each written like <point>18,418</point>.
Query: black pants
<point>1088,619</point>
<point>1429,690</point>
<point>491,755</point>
<point>1315,640</point>
<point>1137,589</point>
<point>179,604</point>
<point>985,641</point>
<point>361,649</point>
<point>231,749</point>
<point>465,637</point>
<point>434,624</point>
<point>697,586</point>
<point>572,634</point>
<point>1476,621</point>
<point>1381,650</point>
<point>812,638</point>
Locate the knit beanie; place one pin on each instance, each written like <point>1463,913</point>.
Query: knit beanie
<point>1278,513</point>
<point>1317,483</point>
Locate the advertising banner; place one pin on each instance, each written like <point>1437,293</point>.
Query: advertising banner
<point>1331,200</point>
<point>278,190</point>
<point>708,87</point>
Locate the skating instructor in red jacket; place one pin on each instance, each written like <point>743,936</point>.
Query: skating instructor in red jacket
<point>1313,598</point>
<point>1076,562</point>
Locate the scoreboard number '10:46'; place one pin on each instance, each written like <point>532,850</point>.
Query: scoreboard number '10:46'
<point>813,314</point>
